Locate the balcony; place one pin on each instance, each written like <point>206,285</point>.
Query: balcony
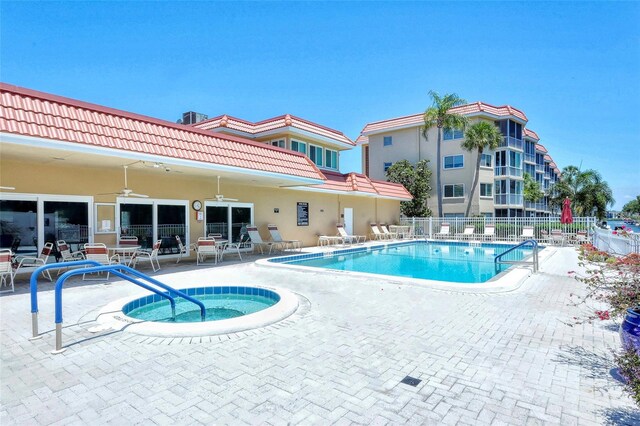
<point>508,200</point>
<point>547,175</point>
<point>530,158</point>
<point>511,142</point>
<point>508,171</point>
<point>539,168</point>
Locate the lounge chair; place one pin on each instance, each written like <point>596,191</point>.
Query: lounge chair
<point>65,251</point>
<point>444,231</point>
<point>489,232</point>
<point>256,240</point>
<point>182,249</point>
<point>34,262</point>
<point>147,256</point>
<point>385,231</point>
<point>277,238</point>
<point>99,252</point>
<point>207,247</point>
<point>544,236</point>
<point>469,231</point>
<point>6,270</point>
<point>350,238</point>
<point>376,234</point>
<point>527,233</point>
<point>581,237</point>
<point>327,240</point>
<point>557,237</point>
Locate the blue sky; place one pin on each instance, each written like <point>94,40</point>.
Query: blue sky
<point>573,68</point>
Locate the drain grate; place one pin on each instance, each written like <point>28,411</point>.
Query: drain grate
<point>411,381</point>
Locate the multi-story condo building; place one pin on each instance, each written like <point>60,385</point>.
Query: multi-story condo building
<point>500,185</point>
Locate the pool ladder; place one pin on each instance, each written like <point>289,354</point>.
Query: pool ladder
<point>534,259</point>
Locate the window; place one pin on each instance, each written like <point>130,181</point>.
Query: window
<point>453,162</point>
<point>386,166</point>
<point>331,159</point>
<point>279,143</point>
<point>454,191</point>
<point>450,134</point>
<point>315,154</point>
<point>486,190</point>
<point>387,141</point>
<point>485,160</point>
<point>299,146</point>
<point>453,215</point>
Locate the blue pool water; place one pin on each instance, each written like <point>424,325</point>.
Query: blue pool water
<point>614,223</point>
<point>456,262</point>
<point>220,303</point>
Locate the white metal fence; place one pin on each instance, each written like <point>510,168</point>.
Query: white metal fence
<point>506,228</point>
<point>616,242</point>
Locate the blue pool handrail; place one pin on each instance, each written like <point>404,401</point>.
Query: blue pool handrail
<point>117,270</point>
<point>534,246</point>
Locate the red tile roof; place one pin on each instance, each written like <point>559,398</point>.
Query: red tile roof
<point>541,148</point>
<point>531,134</point>
<point>226,121</point>
<point>467,109</point>
<point>30,113</point>
<point>362,139</point>
<point>356,182</point>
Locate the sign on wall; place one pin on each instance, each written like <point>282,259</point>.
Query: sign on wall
<point>303,214</point>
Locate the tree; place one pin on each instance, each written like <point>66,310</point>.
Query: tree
<point>632,207</point>
<point>417,180</point>
<point>478,137</point>
<point>438,115</point>
<point>531,191</point>
<point>589,193</point>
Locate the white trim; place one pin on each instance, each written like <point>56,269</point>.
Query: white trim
<point>229,205</point>
<point>291,130</point>
<point>453,168</point>
<point>118,153</point>
<point>306,145</point>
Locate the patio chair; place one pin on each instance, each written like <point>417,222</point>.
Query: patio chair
<point>65,252</point>
<point>581,237</point>
<point>469,231</point>
<point>182,249</point>
<point>256,240</point>
<point>527,233</point>
<point>206,247</point>
<point>444,231</point>
<point>147,256</point>
<point>376,234</point>
<point>544,236</point>
<point>34,262</point>
<point>229,246</point>
<point>99,252</point>
<point>556,237</point>
<point>15,244</point>
<point>6,270</point>
<point>351,238</point>
<point>489,232</point>
<point>276,237</point>
<point>127,240</point>
<point>385,231</point>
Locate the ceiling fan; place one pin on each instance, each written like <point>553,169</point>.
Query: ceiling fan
<point>126,192</point>
<point>219,197</point>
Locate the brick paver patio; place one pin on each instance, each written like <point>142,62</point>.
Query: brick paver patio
<point>505,358</point>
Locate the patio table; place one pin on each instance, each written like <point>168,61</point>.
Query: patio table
<point>124,251</point>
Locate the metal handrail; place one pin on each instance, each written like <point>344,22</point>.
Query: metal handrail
<point>534,246</point>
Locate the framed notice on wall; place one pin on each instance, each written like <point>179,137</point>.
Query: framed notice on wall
<point>303,214</point>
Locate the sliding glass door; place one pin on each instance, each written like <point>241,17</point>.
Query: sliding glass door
<point>228,219</point>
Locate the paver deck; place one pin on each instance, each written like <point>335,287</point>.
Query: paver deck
<point>505,358</point>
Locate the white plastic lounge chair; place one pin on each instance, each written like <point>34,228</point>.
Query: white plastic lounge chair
<point>230,246</point>
<point>527,233</point>
<point>6,270</point>
<point>256,239</point>
<point>34,262</point>
<point>182,249</point>
<point>489,232</point>
<point>124,241</point>
<point>350,238</point>
<point>376,234</point>
<point>385,231</point>
<point>99,252</point>
<point>147,256</point>
<point>469,231</point>
<point>444,231</point>
<point>65,251</point>
<point>556,237</point>
<point>206,247</point>
<point>276,237</point>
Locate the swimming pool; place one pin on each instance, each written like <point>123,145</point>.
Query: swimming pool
<point>457,262</point>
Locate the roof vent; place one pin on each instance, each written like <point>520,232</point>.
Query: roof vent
<point>192,117</point>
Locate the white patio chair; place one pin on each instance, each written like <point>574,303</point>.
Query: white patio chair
<point>34,262</point>
<point>235,246</point>
<point>581,237</point>
<point>556,237</point>
<point>276,237</point>
<point>6,270</point>
<point>527,233</point>
<point>256,239</point>
<point>124,241</point>
<point>489,232</point>
<point>351,238</point>
<point>206,247</point>
<point>182,249</point>
<point>444,231</point>
<point>99,252</point>
<point>65,251</point>
<point>147,256</point>
<point>390,235</point>
<point>376,234</point>
<point>469,231</point>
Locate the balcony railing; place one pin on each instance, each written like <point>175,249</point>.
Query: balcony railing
<point>508,171</point>
<point>539,168</point>
<point>509,199</point>
<point>530,158</point>
<point>511,142</point>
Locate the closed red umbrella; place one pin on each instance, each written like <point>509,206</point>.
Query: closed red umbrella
<point>566,217</point>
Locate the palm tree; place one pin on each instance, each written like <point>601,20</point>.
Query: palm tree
<point>480,136</point>
<point>438,115</point>
<point>589,193</point>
